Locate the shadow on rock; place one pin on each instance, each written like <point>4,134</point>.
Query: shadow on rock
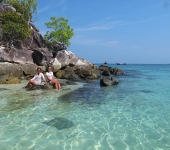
<point>59,123</point>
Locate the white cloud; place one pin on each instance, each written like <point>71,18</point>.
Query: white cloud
<point>110,43</point>
<point>60,2</point>
<point>64,9</point>
<point>43,9</point>
<point>84,41</point>
<point>105,24</point>
<point>144,20</point>
<point>93,42</point>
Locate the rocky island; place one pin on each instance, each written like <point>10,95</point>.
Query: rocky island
<point>21,61</point>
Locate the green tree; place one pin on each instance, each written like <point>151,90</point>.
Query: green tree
<point>25,7</point>
<point>62,32</point>
<point>14,27</point>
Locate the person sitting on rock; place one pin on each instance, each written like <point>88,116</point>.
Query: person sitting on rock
<point>36,80</point>
<point>51,80</point>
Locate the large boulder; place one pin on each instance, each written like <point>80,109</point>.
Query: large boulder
<point>106,70</point>
<point>42,56</point>
<point>117,71</point>
<point>11,81</point>
<point>106,73</point>
<point>19,56</point>
<point>108,81</point>
<point>55,64</point>
<point>31,69</point>
<point>67,73</point>
<point>57,47</point>
<point>64,57</point>
<point>95,73</point>
<point>9,71</point>
<point>82,73</point>
<point>35,40</point>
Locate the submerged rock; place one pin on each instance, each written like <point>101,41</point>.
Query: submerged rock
<point>59,123</point>
<point>106,70</point>
<point>44,87</point>
<point>11,81</point>
<point>117,71</point>
<point>108,81</point>
<point>3,89</point>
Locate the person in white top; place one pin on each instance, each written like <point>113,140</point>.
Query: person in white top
<point>51,80</point>
<point>36,80</point>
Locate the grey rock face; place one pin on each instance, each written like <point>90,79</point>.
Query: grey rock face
<point>6,7</point>
<point>9,71</point>
<point>20,56</point>
<point>117,71</point>
<point>42,56</point>
<point>106,70</point>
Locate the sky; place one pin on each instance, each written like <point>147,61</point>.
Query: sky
<point>124,31</point>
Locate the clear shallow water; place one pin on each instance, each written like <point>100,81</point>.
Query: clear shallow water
<point>135,114</point>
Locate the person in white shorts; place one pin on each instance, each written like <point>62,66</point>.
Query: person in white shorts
<point>36,80</point>
<point>51,80</point>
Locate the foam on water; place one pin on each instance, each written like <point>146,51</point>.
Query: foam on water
<point>135,114</point>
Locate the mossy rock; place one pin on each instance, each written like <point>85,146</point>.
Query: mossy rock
<point>60,73</point>
<point>12,81</point>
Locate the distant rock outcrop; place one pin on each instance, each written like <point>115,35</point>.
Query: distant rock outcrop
<point>106,70</point>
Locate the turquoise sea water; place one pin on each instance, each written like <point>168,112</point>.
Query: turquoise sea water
<point>133,115</point>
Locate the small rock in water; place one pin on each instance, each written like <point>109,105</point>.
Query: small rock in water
<point>60,123</point>
<point>3,89</point>
<point>44,87</point>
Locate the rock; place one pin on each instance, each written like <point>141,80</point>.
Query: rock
<point>117,71</point>
<point>6,7</point>
<point>35,40</point>
<point>9,71</point>
<point>34,27</point>
<point>57,47</point>
<point>70,83</point>
<point>11,81</point>
<point>82,73</point>
<point>104,68</point>
<point>67,73</point>
<point>60,73</point>
<point>19,56</point>
<point>42,56</point>
<point>29,69</point>
<point>3,89</point>
<point>63,57</point>
<point>90,78</point>
<point>108,81</point>
<point>44,87</point>
<point>96,73</point>
<point>56,65</point>
<point>106,73</point>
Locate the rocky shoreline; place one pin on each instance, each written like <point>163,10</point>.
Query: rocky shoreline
<point>21,61</point>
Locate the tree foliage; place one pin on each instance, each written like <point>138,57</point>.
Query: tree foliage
<point>25,7</point>
<point>14,26</point>
<point>62,32</point>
